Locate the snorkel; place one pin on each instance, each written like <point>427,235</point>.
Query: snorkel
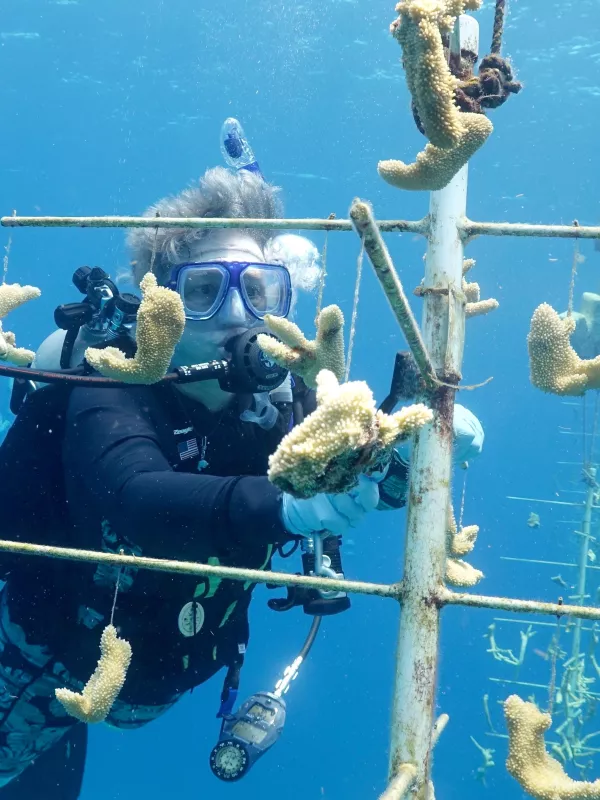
<point>236,149</point>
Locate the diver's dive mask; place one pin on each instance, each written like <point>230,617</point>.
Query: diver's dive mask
<point>203,287</point>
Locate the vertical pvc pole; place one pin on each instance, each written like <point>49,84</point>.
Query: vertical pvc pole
<point>429,495</point>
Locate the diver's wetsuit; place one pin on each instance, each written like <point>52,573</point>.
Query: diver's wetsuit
<point>120,471</point>
<point>131,482</point>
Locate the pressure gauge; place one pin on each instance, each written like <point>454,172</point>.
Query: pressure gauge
<point>229,760</point>
<point>247,735</point>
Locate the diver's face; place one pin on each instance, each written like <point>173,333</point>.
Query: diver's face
<point>204,340</point>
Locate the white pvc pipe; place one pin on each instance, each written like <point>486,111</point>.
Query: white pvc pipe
<point>468,227</point>
<point>429,494</point>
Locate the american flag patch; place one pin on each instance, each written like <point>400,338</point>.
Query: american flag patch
<point>188,449</point>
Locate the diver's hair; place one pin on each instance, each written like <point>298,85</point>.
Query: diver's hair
<point>219,193</point>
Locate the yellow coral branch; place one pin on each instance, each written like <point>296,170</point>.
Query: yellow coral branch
<point>12,296</point>
<point>419,30</point>
<point>102,689</point>
<point>459,543</point>
<point>554,365</point>
<point>529,763</point>
<point>160,323</point>
<point>342,438</point>
<point>460,573</point>
<point>453,136</point>
<point>475,306</point>
<point>435,167</point>
<point>480,307</point>
<point>305,358</point>
<point>464,540</point>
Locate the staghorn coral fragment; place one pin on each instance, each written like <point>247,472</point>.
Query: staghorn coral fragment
<point>475,306</point>
<point>460,543</point>
<point>539,774</point>
<point>435,167</point>
<point>554,365</point>
<point>12,295</point>
<point>303,357</point>
<point>344,437</point>
<point>460,573</point>
<point>454,136</point>
<point>464,540</point>
<point>160,323</point>
<point>481,307</point>
<point>102,689</point>
<point>419,30</point>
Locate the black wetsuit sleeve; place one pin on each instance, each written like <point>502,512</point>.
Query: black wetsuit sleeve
<point>117,470</point>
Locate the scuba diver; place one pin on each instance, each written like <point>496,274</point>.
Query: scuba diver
<point>174,471</point>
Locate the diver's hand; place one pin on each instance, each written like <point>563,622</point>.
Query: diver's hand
<point>330,512</point>
<point>468,438</point>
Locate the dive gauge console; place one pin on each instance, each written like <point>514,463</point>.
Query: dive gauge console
<point>247,735</point>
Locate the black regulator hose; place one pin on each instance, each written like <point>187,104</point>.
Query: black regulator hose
<point>76,377</point>
<point>248,370</point>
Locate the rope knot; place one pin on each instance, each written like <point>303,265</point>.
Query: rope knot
<point>496,81</point>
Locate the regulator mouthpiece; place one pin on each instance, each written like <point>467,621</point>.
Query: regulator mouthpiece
<point>250,370</point>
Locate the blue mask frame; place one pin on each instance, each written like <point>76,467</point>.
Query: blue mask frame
<point>232,277</point>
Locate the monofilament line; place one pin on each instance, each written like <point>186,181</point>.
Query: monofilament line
<point>359,266</point>
<point>114,605</point>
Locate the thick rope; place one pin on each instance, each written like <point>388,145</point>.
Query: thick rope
<point>493,84</point>
<point>499,16</point>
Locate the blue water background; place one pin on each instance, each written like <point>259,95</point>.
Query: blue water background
<point>106,107</point>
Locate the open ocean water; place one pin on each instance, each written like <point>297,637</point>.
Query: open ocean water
<point>106,107</point>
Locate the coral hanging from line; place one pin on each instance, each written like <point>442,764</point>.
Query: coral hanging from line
<point>102,689</point>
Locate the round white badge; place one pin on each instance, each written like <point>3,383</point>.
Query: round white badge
<point>191,618</point>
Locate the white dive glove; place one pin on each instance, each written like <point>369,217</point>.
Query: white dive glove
<point>330,512</point>
<point>468,438</point>
<point>468,435</point>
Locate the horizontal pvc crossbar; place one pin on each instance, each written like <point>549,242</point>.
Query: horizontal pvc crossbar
<point>194,568</point>
<point>468,228</point>
<point>419,226</point>
<point>443,597</point>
